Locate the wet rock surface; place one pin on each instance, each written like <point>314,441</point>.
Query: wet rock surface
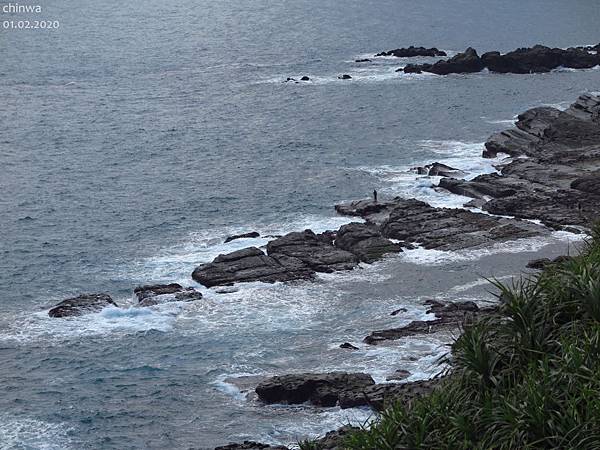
<point>379,396</point>
<point>156,294</point>
<point>83,304</point>
<point>250,264</point>
<point>448,316</point>
<point>250,445</point>
<point>325,389</point>
<point>334,440</point>
<point>252,234</point>
<point>557,183</point>
<point>412,51</point>
<point>364,241</point>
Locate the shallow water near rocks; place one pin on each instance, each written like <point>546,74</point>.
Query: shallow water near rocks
<point>129,157</point>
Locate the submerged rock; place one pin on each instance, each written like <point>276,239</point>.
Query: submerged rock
<point>412,52</point>
<point>252,234</point>
<point>320,389</point>
<point>84,304</point>
<point>398,375</point>
<point>164,293</point>
<point>543,263</point>
<point>345,77</point>
<point>305,78</point>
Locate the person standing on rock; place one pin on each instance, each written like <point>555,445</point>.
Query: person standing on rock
<point>375,196</point>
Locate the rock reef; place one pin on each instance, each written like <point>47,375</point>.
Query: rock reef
<point>536,59</point>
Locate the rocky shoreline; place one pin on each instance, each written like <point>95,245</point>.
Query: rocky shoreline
<point>549,181</point>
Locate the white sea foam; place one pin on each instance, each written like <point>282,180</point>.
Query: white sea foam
<point>110,322</point>
<point>437,257</point>
<point>403,181</point>
<point>176,263</point>
<point>27,433</point>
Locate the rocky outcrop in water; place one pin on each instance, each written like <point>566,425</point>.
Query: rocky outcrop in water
<point>467,62</point>
<point>298,256</point>
<point>252,234</point>
<point>324,389</point>
<point>250,445</point>
<point>380,396</point>
<point>411,52</point>
<point>449,316</point>
<point>165,293</point>
<point>250,264</point>
<point>537,59</point>
<point>365,241</point>
<point>446,229</point>
<point>437,169</point>
<point>84,304</point>
<point>557,180</point>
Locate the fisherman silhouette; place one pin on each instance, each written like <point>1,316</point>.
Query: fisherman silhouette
<point>375,196</point>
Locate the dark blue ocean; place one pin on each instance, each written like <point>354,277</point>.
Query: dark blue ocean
<point>138,135</point>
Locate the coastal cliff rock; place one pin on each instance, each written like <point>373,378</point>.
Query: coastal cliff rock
<point>557,183</point>
<point>164,293</point>
<point>411,52</point>
<point>84,304</point>
<point>379,396</point>
<point>323,389</point>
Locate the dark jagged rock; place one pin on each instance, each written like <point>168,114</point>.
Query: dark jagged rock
<point>364,60</point>
<point>305,78</point>
<point>536,59</point>
<point>364,241</point>
<point>380,396</point>
<point>348,346</point>
<point>334,440</point>
<point>312,251</point>
<point>398,311</point>
<point>467,62</point>
<point>398,375</point>
<point>411,52</point>
<point>539,59</point>
<point>588,183</point>
<point>437,169</point>
<point>558,183</point>
<point>448,316</point>
<point>252,234</point>
<point>370,210</point>
<point>345,77</point>
<point>84,304</point>
<point>251,445</point>
<point>480,187</point>
<point>250,264</point>
<point>450,229</point>
<point>319,389</point>
<point>164,293</point>
<point>543,263</point>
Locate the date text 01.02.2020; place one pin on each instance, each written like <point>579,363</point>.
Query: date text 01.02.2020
<point>30,24</point>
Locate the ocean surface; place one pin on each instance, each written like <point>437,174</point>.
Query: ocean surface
<point>138,135</point>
